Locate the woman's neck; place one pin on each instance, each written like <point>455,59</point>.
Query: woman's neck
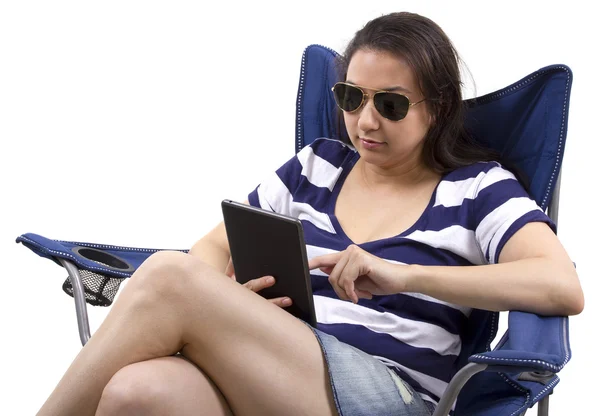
<point>400,178</point>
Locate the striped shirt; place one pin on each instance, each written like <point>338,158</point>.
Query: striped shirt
<point>472,213</point>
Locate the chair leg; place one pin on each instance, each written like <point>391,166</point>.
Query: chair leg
<point>79,296</point>
<point>543,406</point>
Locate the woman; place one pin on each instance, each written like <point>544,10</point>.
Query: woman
<point>408,227</point>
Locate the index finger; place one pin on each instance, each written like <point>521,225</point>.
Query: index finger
<point>323,261</point>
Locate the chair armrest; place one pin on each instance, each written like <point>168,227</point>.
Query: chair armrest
<point>532,343</point>
<point>521,369</point>
<point>95,270</point>
<point>109,260</point>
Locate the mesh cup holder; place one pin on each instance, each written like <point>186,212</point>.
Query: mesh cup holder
<point>99,290</point>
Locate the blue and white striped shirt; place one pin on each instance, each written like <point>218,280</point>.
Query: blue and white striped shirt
<point>473,211</point>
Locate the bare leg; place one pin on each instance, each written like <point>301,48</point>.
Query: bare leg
<point>262,359</point>
<point>162,386</point>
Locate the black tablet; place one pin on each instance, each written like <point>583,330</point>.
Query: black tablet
<point>264,243</point>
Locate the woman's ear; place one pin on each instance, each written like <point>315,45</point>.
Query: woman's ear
<point>432,117</point>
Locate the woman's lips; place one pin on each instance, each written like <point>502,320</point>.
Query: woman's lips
<point>369,144</point>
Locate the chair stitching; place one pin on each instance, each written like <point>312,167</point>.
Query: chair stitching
<point>62,255</point>
<point>549,386</point>
<point>299,125</point>
<point>520,360</point>
<point>120,248</point>
<point>526,81</point>
<point>560,138</point>
<point>510,383</point>
<point>493,97</point>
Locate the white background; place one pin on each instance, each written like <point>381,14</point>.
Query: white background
<point>121,123</point>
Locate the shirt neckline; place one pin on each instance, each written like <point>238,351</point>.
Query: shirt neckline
<point>347,167</point>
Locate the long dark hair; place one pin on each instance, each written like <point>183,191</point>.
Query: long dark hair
<point>435,63</point>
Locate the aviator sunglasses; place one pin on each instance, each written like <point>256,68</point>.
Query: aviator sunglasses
<point>390,105</point>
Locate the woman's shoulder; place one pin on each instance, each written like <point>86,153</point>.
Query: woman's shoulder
<point>479,171</point>
<point>468,182</point>
<point>331,150</point>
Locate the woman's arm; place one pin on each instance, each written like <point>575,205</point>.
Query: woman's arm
<point>213,248</point>
<point>534,274</point>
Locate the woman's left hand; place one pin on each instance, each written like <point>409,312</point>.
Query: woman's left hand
<point>355,273</point>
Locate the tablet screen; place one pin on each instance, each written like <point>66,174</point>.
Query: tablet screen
<point>264,243</point>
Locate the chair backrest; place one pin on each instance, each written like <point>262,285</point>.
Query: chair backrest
<point>526,122</point>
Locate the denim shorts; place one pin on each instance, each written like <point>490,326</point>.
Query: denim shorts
<point>363,386</point>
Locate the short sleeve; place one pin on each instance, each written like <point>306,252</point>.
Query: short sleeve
<point>275,192</point>
<point>309,176</point>
<point>501,207</point>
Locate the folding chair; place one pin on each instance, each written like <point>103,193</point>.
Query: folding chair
<point>527,123</point>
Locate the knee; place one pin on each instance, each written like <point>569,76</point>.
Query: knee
<point>127,393</point>
<point>167,274</point>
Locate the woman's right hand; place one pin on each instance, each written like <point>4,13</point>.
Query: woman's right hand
<point>259,284</point>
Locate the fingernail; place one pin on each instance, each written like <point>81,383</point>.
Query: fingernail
<point>270,279</point>
<point>286,302</point>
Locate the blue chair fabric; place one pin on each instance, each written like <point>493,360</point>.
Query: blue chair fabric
<point>527,123</point>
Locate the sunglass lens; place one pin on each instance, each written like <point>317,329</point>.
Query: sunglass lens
<point>348,98</point>
<point>392,106</point>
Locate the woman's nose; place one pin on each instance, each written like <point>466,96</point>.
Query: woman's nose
<point>368,118</point>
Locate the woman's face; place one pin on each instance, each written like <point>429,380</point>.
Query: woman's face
<point>401,141</point>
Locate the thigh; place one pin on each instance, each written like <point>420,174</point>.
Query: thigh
<point>162,386</point>
<point>264,360</point>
